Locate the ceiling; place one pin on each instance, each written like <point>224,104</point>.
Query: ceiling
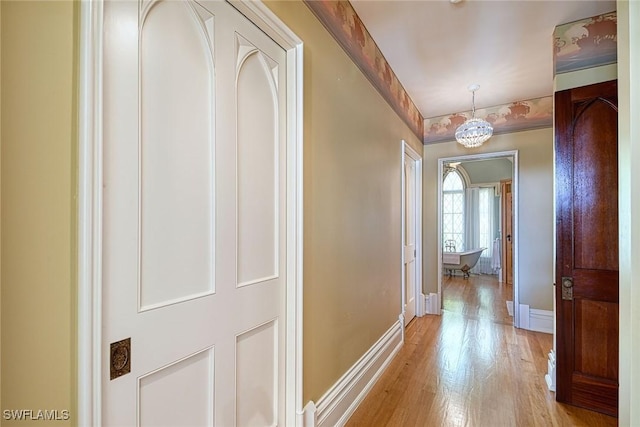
<point>438,48</point>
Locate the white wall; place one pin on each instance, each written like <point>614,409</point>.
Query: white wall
<point>535,209</point>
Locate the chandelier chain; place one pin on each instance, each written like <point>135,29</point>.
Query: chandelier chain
<point>473,104</point>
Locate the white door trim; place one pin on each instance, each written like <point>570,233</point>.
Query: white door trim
<point>484,156</point>
<point>90,162</point>
<point>408,151</point>
<point>90,214</point>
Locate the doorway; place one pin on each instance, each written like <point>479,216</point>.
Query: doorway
<point>506,227</point>
<point>411,234</point>
<point>472,210</point>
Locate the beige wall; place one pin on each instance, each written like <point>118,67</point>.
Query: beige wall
<point>38,206</point>
<point>585,77</point>
<point>629,204</point>
<point>352,198</point>
<point>535,211</point>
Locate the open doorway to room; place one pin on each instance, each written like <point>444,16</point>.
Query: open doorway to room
<point>477,217</point>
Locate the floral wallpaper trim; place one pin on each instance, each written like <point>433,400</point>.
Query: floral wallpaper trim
<point>513,117</point>
<point>586,43</point>
<point>342,21</point>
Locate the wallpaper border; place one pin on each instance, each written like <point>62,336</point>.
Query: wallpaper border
<point>586,43</point>
<point>512,117</point>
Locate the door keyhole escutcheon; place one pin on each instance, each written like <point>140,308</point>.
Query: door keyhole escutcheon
<point>567,288</point>
<point>120,358</point>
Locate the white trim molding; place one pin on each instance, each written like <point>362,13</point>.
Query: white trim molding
<point>308,416</point>
<point>90,206</point>
<point>432,303</point>
<point>341,401</point>
<point>536,320</point>
<point>89,297</point>
<point>550,377</point>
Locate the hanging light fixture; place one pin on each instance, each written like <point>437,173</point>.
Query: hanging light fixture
<point>474,132</point>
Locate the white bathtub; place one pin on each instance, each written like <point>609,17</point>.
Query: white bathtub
<point>463,261</point>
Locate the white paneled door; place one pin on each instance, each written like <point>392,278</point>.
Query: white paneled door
<point>193,217</point>
<point>410,235</point>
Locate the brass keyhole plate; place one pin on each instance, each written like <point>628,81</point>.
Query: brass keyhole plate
<point>120,359</point>
<point>567,288</point>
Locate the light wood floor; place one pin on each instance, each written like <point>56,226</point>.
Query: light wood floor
<point>469,367</point>
<point>480,296</point>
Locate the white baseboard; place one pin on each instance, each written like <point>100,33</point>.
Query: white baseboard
<point>541,320</point>
<point>421,305</point>
<point>432,304</point>
<point>339,403</point>
<point>523,312</point>
<point>550,378</point>
<point>536,320</point>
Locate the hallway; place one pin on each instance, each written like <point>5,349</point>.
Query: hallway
<point>470,367</point>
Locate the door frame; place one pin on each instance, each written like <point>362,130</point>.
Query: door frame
<point>503,249</point>
<point>408,151</point>
<point>515,226</point>
<point>89,209</point>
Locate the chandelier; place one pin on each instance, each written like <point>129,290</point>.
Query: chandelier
<point>474,132</point>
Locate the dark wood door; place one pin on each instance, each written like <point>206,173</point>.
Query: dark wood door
<point>587,246</point>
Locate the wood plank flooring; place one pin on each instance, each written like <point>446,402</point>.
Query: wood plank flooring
<point>470,367</point>
<point>480,296</point>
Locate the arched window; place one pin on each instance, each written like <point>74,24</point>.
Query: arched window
<point>453,212</point>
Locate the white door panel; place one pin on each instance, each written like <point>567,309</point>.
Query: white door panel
<point>193,268</point>
<point>176,154</point>
<point>257,165</point>
<point>194,376</point>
